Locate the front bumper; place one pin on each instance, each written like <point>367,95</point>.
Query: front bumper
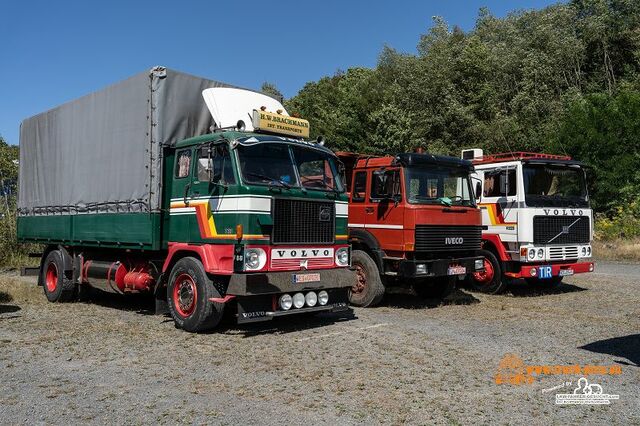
<point>577,268</point>
<point>260,283</point>
<point>438,267</point>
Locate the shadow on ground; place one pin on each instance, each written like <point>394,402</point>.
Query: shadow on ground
<point>522,289</point>
<point>7,309</point>
<point>143,304</point>
<point>286,325</point>
<point>626,347</point>
<point>407,299</point>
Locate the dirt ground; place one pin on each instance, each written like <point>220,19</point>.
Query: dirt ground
<point>407,361</point>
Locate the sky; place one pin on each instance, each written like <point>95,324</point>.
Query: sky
<point>55,51</point>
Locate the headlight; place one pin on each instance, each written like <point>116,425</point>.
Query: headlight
<point>584,251</point>
<point>342,256</point>
<point>532,254</point>
<point>540,253</point>
<point>298,300</point>
<point>254,259</point>
<point>311,299</point>
<point>323,298</point>
<point>589,251</point>
<point>285,302</point>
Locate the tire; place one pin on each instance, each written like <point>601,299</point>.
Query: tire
<point>57,287</point>
<point>552,282</point>
<point>188,294</point>
<point>435,288</point>
<point>368,289</point>
<point>492,280</point>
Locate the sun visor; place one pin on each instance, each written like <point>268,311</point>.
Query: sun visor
<point>228,105</point>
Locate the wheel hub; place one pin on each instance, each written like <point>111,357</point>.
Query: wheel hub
<point>185,295</point>
<point>51,277</point>
<point>361,281</point>
<point>487,275</point>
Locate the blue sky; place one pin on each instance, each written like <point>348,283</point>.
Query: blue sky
<point>55,51</point>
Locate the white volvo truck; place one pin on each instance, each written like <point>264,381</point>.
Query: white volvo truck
<point>537,220</point>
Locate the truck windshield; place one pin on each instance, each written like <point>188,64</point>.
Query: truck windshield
<point>554,186</point>
<point>289,166</point>
<point>438,185</point>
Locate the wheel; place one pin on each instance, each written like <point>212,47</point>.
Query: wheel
<point>57,287</point>
<point>552,282</point>
<point>368,289</point>
<point>435,288</point>
<point>188,294</point>
<point>490,281</point>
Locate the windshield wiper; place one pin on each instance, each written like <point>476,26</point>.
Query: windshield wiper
<point>269,178</point>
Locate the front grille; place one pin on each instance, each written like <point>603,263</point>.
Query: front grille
<point>561,230</point>
<point>448,238</point>
<point>303,222</point>
<point>563,253</point>
<point>289,264</point>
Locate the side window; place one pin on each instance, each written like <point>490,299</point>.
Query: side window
<point>219,166</point>
<point>359,187</point>
<point>385,185</point>
<point>499,183</point>
<point>183,165</point>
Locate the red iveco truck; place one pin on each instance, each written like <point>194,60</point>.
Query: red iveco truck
<point>412,219</point>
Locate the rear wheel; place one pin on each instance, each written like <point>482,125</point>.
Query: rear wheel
<point>436,288</point>
<point>368,289</point>
<point>491,280</point>
<point>188,294</point>
<point>57,287</point>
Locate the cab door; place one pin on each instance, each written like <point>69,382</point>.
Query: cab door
<point>384,211</point>
<point>212,172</point>
<point>357,197</point>
<point>499,202</point>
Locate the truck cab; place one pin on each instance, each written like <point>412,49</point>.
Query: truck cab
<point>267,214</point>
<point>413,219</point>
<point>537,217</point>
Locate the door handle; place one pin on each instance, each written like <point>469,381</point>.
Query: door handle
<point>368,210</point>
<point>186,191</point>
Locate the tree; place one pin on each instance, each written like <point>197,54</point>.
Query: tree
<point>271,90</point>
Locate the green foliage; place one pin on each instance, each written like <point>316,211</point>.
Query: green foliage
<point>561,79</point>
<point>12,254</point>
<point>271,90</point>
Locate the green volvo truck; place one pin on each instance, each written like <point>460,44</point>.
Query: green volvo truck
<point>205,195</point>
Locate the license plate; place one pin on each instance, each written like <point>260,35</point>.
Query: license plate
<point>456,270</point>
<point>566,272</point>
<point>545,272</point>
<point>305,278</point>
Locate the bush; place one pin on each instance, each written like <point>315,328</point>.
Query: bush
<point>12,253</point>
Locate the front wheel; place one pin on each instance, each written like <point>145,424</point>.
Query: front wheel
<point>491,280</point>
<point>188,294</point>
<point>368,289</point>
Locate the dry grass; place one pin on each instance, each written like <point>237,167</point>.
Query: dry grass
<point>18,290</point>
<point>618,250</point>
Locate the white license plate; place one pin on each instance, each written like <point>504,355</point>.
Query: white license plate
<point>565,272</point>
<point>305,278</point>
<point>456,270</point>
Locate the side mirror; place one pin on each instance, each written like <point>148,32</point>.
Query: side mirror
<point>211,153</point>
<point>503,183</point>
<point>478,190</point>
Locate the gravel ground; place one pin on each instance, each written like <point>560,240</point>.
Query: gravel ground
<point>408,361</point>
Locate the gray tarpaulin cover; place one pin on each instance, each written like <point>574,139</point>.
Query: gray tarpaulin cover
<point>102,153</point>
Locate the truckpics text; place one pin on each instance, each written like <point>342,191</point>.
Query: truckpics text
<point>538,222</point>
<point>130,193</point>
<point>412,219</point>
